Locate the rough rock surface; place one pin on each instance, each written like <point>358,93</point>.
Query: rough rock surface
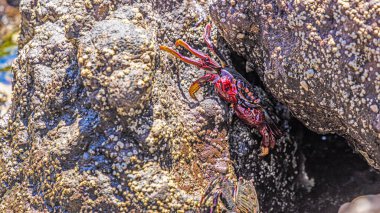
<point>368,203</point>
<point>332,173</point>
<point>319,58</point>
<point>101,120</point>
<point>13,3</point>
<point>9,18</point>
<point>5,98</point>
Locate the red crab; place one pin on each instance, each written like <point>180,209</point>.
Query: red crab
<point>232,88</point>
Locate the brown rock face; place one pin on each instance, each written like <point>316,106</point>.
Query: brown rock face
<point>102,121</point>
<point>319,58</point>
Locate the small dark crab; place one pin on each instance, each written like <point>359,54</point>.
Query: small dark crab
<point>235,198</point>
<point>232,88</point>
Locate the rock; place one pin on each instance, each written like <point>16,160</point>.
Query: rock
<point>101,120</point>
<point>320,60</point>
<point>13,3</point>
<point>362,204</point>
<point>9,18</point>
<point>335,174</point>
<point>5,98</point>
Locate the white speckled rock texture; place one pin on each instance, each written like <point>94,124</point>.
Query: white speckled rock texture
<point>319,58</point>
<point>101,120</point>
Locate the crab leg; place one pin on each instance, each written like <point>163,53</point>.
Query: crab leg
<point>196,85</point>
<point>198,63</point>
<point>208,190</point>
<point>211,46</point>
<point>236,189</point>
<point>247,96</point>
<point>204,58</point>
<point>215,200</point>
<point>267,141</point>
<point>193,51</point>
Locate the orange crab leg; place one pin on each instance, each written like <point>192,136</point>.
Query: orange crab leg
<point>203,63</point>
<point>183,58</point>
<point>197,53</point>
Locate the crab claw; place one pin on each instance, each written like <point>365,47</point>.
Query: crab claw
<point>196,85</point>
<point>193,89</point>
<point>264,151</point>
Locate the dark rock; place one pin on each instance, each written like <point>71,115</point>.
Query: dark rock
<point>14,3</point>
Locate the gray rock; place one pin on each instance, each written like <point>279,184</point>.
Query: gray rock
<point>320,60</point>
<point>101,120</point>
<point>13,3</point>
<point>362,204</point>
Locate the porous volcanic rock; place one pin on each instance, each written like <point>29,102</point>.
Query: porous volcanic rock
<point>5,98</point>
<point>101,120</point>
<point>319,58</point>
